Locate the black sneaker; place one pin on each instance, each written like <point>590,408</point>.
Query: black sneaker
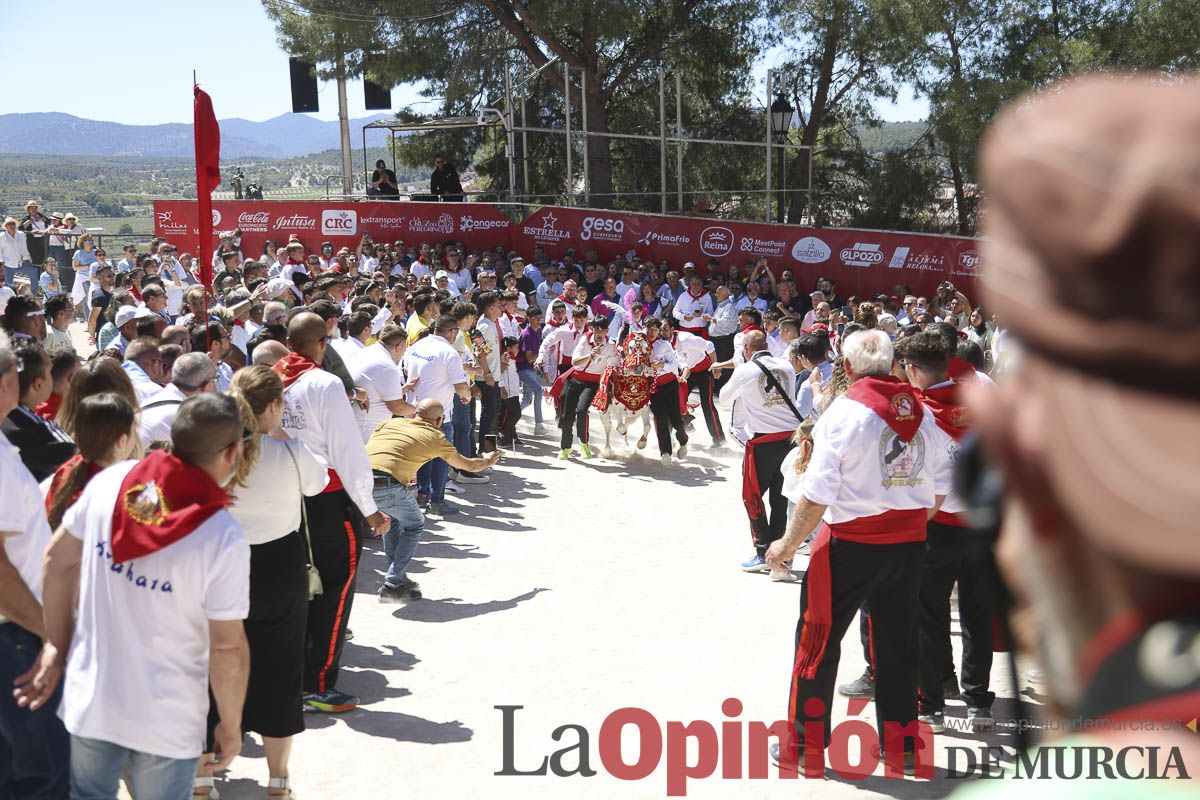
<point>471,477</point>
<point>863,686</point>
<point>950,689</point>
<point>407,591</point>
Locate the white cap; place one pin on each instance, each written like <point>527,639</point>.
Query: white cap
<point>441,273</point>
<point>278,286</point>
<point>128,314</point>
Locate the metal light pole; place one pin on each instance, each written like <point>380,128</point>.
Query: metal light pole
<point>781,122</point>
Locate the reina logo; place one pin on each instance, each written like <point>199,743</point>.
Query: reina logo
<point>254,222</point>
<point>969,260</point>
<point>716,241</point>
<point>296,222</point>
<point>339,222</point>
<point>811,250</point>
<point>862,255</point>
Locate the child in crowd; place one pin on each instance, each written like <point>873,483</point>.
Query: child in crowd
<point>510,392</point>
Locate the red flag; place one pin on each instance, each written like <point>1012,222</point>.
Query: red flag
<point>208,177</point>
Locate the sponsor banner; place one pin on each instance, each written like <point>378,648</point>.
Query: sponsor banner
<point>860,262</point>
<point>343,224</point>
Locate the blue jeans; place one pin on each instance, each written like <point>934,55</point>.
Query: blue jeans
<point>27,269</point>
<point>462,428</point>
<point>96,768</point>
<point>531,392</point>
<point>431,478</point>
<point>34,745</point>
<point>400,541</point>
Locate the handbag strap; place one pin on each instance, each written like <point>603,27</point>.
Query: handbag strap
<point>773,382</point>
<point>303,514</point>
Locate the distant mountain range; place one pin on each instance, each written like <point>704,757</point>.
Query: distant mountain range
<point>285,136</point>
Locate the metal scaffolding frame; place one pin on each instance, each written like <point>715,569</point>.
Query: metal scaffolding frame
<point>516,94</point>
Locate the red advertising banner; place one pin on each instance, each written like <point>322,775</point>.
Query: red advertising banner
<point>860,262</point>
<point>341,223</point>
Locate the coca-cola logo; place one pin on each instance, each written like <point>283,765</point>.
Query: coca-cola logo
<point>469,223</point>
<point>339,222</point>
<point>716,241</point>
<point>254,222</point>
<point>969,260</point>
<point>602,228</point>
<point>296,222</point>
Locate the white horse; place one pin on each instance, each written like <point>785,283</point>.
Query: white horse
<point>624,419</point>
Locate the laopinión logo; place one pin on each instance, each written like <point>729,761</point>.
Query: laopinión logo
<point>741,751</point>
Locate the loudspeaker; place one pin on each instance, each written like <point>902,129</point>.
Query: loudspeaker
<point>378,97</point>
<point>304,86</point>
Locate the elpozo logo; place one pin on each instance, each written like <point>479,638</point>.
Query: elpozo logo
<point>339,222</point>
<point>716,241</point>
<point>862,255</point>
<point>811,250</point>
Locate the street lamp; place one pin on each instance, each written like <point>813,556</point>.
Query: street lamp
<point>781,121</point>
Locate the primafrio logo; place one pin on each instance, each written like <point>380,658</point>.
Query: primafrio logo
<point>969,260</point>
<point>339,222</point>
<point>862,255</point>
<point>673,239</point>
<point>468,223</point>
<point>716,241</point>
<point>296,222</point>
<point>811,250</point>
<point>605,228</point>
<point>254,222</point>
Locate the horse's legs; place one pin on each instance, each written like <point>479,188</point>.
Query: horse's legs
<point>606,418</point>
<point>644,413</point>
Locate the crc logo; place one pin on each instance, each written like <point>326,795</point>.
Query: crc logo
<point>339,222</point>
<point>216,218</point>
<point>811,250</point>
<point>862,255</point>
<point>969,259</point>
<point>716,241</point>
<point>602,228</point>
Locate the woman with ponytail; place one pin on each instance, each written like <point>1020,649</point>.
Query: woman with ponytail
<point>105,434</point>
<point>276,473</point>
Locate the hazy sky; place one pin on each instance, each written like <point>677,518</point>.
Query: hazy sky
<point>140,70</point>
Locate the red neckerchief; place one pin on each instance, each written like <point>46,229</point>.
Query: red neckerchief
<point>752,327</point>
<point>697,297</point>
<point>674,336</point>
<point>239,323</point>
<point>292,366</point>
<point>49,409</point>
<point>893,400</point>
<point>60,476</point>
<point>961,371</point>
<point>162,500</point>
<point>554,324</point>
<point>948,412</point>
<point>133,290</point>
<point>293,261</point>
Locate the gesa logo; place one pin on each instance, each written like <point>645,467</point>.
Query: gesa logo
<point>602,228</point>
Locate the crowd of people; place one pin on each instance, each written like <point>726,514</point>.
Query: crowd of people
<point>300,403</point>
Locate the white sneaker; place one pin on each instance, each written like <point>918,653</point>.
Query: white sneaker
<point>782,576</point>
<point>666,459</point>
<point>539,430</point>
<point>682,451</point>
<point>453,488</point>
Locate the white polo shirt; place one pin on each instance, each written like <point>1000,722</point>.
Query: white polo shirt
<point>137,673</point>
<point>438,367</point>
<point>374,371</point>
<point>22,512</point>
<point>861,468</point>
<point>763,408</point>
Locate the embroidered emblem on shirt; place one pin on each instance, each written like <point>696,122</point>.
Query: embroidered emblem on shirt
<point>146,505</point>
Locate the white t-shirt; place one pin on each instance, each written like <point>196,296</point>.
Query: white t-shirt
<point>438,366</point>
<point>137,673</point>
<point>268,506</point>
<point>861,468</point>
<point>763,408</point>
<point>374,371</point>
<point>491,343</point>
<point>158,412</point>
<point>23,512</point>
<point>6,294</point>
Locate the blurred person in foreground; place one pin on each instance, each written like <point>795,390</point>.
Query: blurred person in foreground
<point>1096,429</point>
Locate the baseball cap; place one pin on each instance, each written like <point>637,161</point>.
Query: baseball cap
<point>1112,358</point>
<point>908,298</point>
<point>441,273</point>
<point>277,287</point>
<point>129,313</point>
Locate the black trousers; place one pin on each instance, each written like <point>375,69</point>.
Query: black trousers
<point>724,352</point>
<point>664,407</point>
<point>702,383</point>
<point>337,529</point>
<point>489,413</point>
<point>771,523</point>
<point>978,590</point>
<point>510,412</point>
<point>887,577</point>
<point>576,400</point>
